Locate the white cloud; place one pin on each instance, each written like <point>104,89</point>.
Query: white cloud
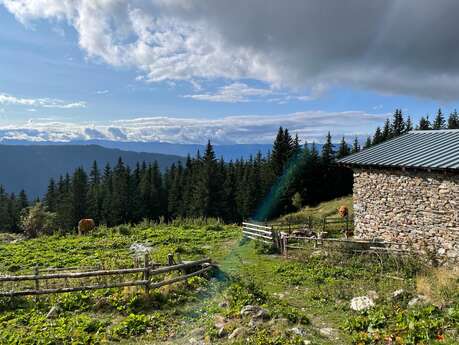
<point>102,92</point>
<point>8,99</point>
<point>233,93</point>
<point>310,125</point>
<point>241,92</point>
<point>298,45</point>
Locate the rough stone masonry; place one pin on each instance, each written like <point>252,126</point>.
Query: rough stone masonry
<point>418,209</point>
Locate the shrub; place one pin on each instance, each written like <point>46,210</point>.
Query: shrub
<point>134,324</point>
<point>35,221</point>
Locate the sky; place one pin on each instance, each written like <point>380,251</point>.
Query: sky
<point>185,71</point>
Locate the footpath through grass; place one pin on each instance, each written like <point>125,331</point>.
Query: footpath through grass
<point>301,300</point>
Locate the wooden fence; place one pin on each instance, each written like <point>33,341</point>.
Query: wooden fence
<point>282,237</point>
<point>323,224</point>
<point>149,270</point>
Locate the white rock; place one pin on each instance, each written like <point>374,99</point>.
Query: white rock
<point>297,331</point>
<point>361,303</point>
<point>254,311</point>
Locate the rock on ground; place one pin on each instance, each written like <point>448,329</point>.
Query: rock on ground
<point>361,303</point>
<point>254,312</point>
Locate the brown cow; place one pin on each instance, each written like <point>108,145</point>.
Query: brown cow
<point>85,226</point>
<point>343,211</point>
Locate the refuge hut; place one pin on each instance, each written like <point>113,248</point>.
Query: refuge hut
<point>406,190</point>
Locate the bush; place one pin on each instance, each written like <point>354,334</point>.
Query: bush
<point>35,221</point>
<point>134,324</point>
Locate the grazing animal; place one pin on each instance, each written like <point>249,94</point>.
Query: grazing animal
<point>343,211</point>
<point>85,226</point>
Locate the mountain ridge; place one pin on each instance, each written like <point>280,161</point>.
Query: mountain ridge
<point>227,151</point>
<point>30,167</point>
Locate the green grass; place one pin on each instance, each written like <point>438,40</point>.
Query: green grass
<point>307,291</point>
<point>324,209</point>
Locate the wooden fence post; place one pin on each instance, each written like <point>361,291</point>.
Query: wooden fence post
<point>170,259</point>
<point>284,244</point>
<point>36,273</point>
<point>146,273</point>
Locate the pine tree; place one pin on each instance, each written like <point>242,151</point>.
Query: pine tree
<point>424,123</point>
<point>79,192</point>
<point>355,146</point>
<point>120,193</point>
<point>94,197</point>
<point>387,131</point>
<point>207,189</point>
<point>377,137</point>
<point>343,149</point>
<point>453,120</point>
<point>368,143</point>
<point>280,152</point>
<point>328,152</point>
<point>398,125</point>
<point>23,201</point>
<point>106,196</point>
<point>6,221</point>
<point>439,121</point>
<point>51,196</point>
<point>64,208</point>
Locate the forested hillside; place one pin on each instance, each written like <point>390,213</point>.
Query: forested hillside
<point>293,175</point>
<point>31,167</point>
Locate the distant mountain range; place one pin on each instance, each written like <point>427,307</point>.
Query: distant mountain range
<point>30,167</point>
<point>232,151</point>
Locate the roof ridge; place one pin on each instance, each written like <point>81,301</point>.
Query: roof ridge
<point>433,130</point>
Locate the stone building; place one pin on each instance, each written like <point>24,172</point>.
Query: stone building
<point>406,190</point>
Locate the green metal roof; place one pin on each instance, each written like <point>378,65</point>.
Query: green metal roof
<point>434,149</point>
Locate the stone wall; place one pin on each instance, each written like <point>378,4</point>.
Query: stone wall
<point>416,208</point>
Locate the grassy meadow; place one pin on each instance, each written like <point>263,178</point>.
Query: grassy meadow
<point>305,299</point>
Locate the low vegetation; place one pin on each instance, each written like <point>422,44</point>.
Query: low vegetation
<point>256,297</point>
<point>324,209</point>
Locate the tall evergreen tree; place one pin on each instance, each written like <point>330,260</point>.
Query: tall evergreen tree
<point>424,123</point>
<point>51,196</point>
<point>79,192</point>
<point>343,149</point>
<point>377,137</point>
<point>387,131</point>
<point>453,120</point>
<point>439,121</point>
<point>398,125</point>
<point>355,146</point>
<point>328,152</point>
<point>368,143</point>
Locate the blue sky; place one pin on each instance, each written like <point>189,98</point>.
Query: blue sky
<point>145,70</point>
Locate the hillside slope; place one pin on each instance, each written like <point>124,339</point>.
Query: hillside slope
<point>228,151</point>
<point>324,209</point>
<point>31,167</point>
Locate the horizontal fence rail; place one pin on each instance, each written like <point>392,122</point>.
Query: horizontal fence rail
<point>258,232</point>
<point>149,270</point>
<point>285,236</point>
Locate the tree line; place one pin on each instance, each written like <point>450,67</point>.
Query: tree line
<point>292,175</point>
